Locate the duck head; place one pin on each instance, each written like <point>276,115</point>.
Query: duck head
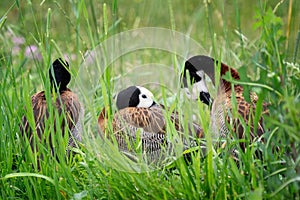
<point>59,74</point>
<point>135,96</point>
<point>195,75</point>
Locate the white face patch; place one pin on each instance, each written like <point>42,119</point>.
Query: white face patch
<point>145,98</point>
<point>201,74</point>
<point>197,87</point>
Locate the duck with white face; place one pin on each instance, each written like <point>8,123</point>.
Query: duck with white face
<point>135,96</point>
<point>222,104</point>
<point>139,114</point>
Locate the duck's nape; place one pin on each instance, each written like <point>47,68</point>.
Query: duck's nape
<point>207,65</point>
<point>200,63</point>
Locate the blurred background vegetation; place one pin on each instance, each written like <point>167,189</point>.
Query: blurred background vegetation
<point>69,25</point>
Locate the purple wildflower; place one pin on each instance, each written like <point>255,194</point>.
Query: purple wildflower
<point>32,52</point>
<point>18,40</point>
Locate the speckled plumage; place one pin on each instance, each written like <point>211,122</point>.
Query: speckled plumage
<point>150,124</point>
<point>221,113</point>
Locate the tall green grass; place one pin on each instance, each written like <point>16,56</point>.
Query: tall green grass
<point>251,37</point>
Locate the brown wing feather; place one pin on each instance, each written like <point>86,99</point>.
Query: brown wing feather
<point>151,120</point>
<point>70,105</point>
<point>67,102</point>
<point>102,120</point>
<point>129,121</point>
<point>39,112</point>
<point>246,111</point>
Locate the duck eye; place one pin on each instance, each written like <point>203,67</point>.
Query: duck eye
<point>144,96</point>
